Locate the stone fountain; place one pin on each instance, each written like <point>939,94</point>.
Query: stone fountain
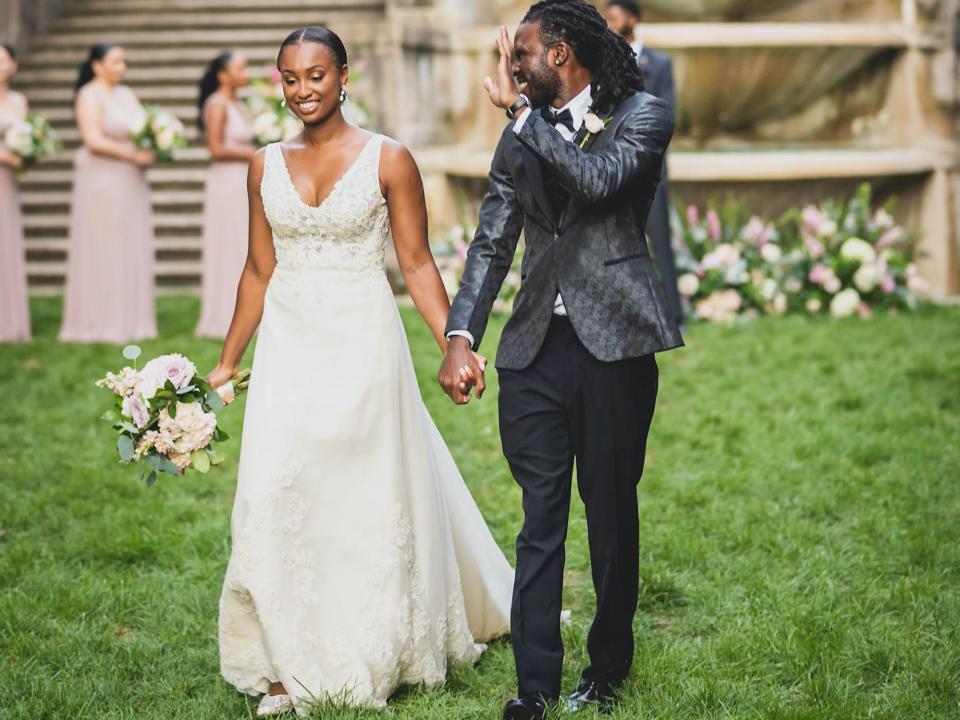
<point>782,101</point>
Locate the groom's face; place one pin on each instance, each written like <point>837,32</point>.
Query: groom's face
<point>532,66</point>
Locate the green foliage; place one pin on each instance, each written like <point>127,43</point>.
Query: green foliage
<point>799,522</point>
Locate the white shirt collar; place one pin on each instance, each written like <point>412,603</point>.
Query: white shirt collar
<point>578,106</point>
<point>638,47</point>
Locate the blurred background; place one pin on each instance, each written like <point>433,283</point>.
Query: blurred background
<point>779,102</point>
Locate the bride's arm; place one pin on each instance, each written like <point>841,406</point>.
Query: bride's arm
<point>403,189</point>
<point>253,281</point>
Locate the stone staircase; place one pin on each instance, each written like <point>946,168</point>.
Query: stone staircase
<point>168,44</point>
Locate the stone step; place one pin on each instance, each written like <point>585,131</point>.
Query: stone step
<point>161,221</point>
<point>158,197</point>
<point>79,7</point>
<point>70,135</point>
<point>61,114</point>
<point>44,57</point>
<point>164,174</point>
<point>107,24</point>
<point>164,268</point>
<point>137,75</point>
<point>356,35</point>
<point>190,244</point>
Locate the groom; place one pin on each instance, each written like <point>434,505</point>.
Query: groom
<point>576,170</point>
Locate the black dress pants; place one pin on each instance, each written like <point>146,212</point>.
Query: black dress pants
<point>568,407</point>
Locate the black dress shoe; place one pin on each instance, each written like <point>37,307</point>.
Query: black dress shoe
<point>529,707</point>
<point>592,693</point>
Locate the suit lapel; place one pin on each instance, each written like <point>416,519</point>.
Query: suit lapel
<point>535,177</point>
<point>594,143</point>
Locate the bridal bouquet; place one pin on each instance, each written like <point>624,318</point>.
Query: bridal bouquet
<point>272,122</point>
<point>161,132</point>
<point>32,139</point>
<point>165,414</point>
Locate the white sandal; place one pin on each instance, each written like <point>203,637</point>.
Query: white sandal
<point>271,705</point>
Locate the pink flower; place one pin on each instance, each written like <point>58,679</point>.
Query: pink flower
<point>819,274</point>
<point>887,239</point>
<point>192,429</point>
<point>863,310</point>
<point>134,409</point>
<point>814,247</point>
<point>756,232</point>
<point>713,226</point>
<point>175,368</point>
<point>888,284</point>
<point>812,217</point>
<point>693,216</point>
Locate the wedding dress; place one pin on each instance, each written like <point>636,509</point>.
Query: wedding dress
<point>360,560</point>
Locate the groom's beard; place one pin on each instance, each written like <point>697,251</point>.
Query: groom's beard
<point>543,83</point>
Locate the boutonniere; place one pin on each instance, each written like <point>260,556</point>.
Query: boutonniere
<point>594,125</point>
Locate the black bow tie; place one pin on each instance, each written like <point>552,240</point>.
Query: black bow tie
<point>564,118</point>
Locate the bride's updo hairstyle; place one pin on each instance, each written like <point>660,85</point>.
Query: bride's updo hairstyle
<point>317,34</point>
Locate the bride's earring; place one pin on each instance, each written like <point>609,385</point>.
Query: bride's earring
<point>343,95</point>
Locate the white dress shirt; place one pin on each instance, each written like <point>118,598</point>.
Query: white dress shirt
<point>578,107</point>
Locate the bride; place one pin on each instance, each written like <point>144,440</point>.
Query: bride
<point>359,559</point>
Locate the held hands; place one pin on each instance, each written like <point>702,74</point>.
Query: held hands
<point>462,369</point>
<point>503,91</point>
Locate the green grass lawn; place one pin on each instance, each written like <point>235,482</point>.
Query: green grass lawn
<point>800,520</point>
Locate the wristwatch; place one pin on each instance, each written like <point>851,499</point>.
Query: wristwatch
<point>519,105</point>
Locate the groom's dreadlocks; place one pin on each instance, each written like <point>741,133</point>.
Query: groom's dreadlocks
<point>609,57</point>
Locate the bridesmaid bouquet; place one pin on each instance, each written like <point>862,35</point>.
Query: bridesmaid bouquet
<point>32,139</point>
<point>161,132</point>
<point>165,414</point>
<point>272,122</point>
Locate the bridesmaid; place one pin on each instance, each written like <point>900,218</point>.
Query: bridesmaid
<point>110,273</point>
<point>14,312</point>
<point>229,133</point>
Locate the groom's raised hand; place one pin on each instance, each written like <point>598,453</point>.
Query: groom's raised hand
<point>503,91</point>
<point>461,370</point>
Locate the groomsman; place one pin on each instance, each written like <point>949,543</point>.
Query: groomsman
<point>622,17</point>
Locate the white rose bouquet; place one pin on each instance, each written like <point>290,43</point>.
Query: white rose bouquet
<point>272,122</point>
<point>165,414</point>
<point>161,132</point>
<point>32,139</point>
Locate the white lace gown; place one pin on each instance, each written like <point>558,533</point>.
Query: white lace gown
<point>360,560</point>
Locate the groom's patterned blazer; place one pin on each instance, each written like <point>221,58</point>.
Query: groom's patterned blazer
<point>591,248</point>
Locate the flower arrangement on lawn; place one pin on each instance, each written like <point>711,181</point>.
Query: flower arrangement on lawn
<point>165,414</point>
<point>841,258</point>
<point>32,139</point>
<point>161,132</point>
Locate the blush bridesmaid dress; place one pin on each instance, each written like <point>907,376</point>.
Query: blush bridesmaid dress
<point>225,224</point>
<point>109,294</point>
<point>14,310</point>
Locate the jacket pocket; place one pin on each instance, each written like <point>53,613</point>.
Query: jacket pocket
<point>625,258</point>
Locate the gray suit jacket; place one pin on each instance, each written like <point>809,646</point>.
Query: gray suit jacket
<point>594,252</point>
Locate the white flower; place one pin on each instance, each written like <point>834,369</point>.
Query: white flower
<point>882,219</point>
<point>769,289</point>
<point>267,128</point>
<point>175,368</point>
<point>832,284</point>
<point>19,138</point>
<point>845,303</point>
<point>688,284</point>
<point>593,123</point>
<point>192,429</point>
<point>723,256</point>
<point>134,409</point>
<point>859,250</point>
<point>779,304</point>
<point>771,252</point>
<point>827,228</point>
<point>793,285</point>
<point>814,305</point>
<point>166,138</point>
<point>721,306</point>
<point>867,277</point>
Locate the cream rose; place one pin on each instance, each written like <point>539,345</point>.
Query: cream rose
<point>845,303</point>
